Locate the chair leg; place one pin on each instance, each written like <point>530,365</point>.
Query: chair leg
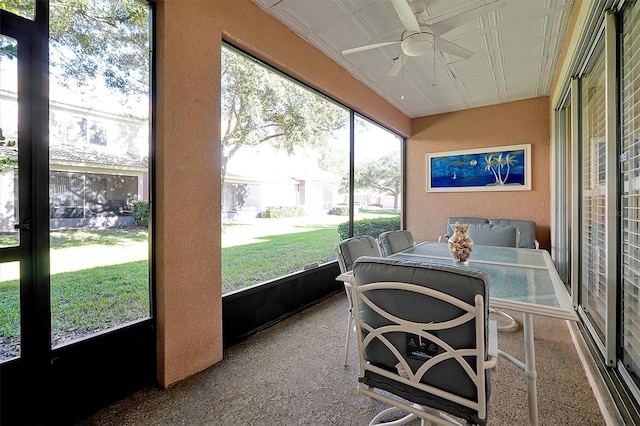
<point>349,327</point>
<point>443,418</point>
<point>512,324</point>
<point>403,420</point>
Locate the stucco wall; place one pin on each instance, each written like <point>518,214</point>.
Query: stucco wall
<point>187,153</point>
<point>521,122</point>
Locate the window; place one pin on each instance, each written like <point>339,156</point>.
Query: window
<point>89,195</point>
<point>286,194</point>
<point>77,131</point>
<point>98,83</point>
<point>630,191</point>
<point>97,134</point>
<point>593,271</point>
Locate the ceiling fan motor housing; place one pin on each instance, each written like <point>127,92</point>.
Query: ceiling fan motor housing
<point>417,44</point>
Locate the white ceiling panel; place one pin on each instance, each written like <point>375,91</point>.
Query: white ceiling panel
<point>515,48</point>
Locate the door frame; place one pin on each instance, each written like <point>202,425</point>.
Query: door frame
<point>64,384</point>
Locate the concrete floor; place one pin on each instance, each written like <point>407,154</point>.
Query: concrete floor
<point>293,374</point>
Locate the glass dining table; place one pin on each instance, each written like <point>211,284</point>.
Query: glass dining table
<point>522,280</point>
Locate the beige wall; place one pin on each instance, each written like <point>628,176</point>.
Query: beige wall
<point>187,203</point>
<point>521,122</point>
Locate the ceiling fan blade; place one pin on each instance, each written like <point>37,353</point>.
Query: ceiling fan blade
<point>406,15</point>
<point>397,65</point>
<point>445,46</point>
<point>369,46</point>
<point>448,24</point>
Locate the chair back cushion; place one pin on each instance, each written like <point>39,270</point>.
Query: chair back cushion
<point>462,219</point>
<point>449,375</point>
<point>494,235</point>
<point>395,241</point>
<point>353,248</point>
<point>527,229</point>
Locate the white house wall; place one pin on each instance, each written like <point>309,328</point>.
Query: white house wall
<point>120,136</point>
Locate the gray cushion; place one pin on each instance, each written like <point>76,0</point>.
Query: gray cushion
<point>352,248</point>
<point>527,229</point>
<point>395,241</point>
<point>493,235</point>
<point>462,219</point>
<point>461,283</point>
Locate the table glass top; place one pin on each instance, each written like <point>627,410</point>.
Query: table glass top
<point>523,279</point>
<point>523,257</point>
<point>506,282</point>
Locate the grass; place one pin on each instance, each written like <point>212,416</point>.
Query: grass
<point>253,263</point>
<point>105,237</point>
<point>83,237</point>
<point>98,298</point>
<point>85,301</point>
<point>380,212</point>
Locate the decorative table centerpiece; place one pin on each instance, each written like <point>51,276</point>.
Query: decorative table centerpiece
<point>460,243</point>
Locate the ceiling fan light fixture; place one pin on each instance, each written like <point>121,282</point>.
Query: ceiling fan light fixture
<point>417,44</point>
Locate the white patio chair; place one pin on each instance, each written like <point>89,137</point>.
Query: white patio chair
<point>423,336</point>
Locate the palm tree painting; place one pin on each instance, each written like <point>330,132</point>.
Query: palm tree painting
<point>504,168</point>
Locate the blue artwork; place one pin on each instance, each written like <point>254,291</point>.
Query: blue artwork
<point>493,169</point>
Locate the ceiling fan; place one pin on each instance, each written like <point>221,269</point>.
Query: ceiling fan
<point>419,38</point>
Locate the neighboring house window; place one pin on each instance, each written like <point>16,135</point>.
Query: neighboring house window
<point>97,134</point>
<point>84,195</point>
<point>77,130</point>
<point>82,131</point>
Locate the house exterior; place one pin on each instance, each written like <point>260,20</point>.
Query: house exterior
<point>278,180</point>
<point>98,166</point>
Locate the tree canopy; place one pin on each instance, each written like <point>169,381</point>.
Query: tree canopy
<point>259,106</point>
<point>383,175</point>
<point>94,39</point>
<point>8,157</point>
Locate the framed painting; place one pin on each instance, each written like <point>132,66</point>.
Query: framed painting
<point>501,168</point>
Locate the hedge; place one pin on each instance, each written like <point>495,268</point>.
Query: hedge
<point>141,213</point>
<point>372,227</point>
<point>340,211</point>
<point>284,211</point>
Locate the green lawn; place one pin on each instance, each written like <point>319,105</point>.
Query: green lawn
<point>97,298</point>
<point>87,300</point>
<point>278,255</point>
<point>83,237</point>
<point>379,212</point>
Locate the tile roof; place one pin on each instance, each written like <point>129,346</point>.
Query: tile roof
<point>88,154</point>
<point>85,154</point>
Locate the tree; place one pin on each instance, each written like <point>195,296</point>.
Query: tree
<point>498,164</point>
<point>9,158</point>
<point>261,106</point>
<point>106,40</point>
<point>382,175</point>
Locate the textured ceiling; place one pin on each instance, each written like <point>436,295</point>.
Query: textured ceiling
<point>515,49</point>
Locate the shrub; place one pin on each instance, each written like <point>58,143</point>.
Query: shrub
<point>340,211</point>
<point>141,213</point>
<point>284,211</point>
<point>372,227</point>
